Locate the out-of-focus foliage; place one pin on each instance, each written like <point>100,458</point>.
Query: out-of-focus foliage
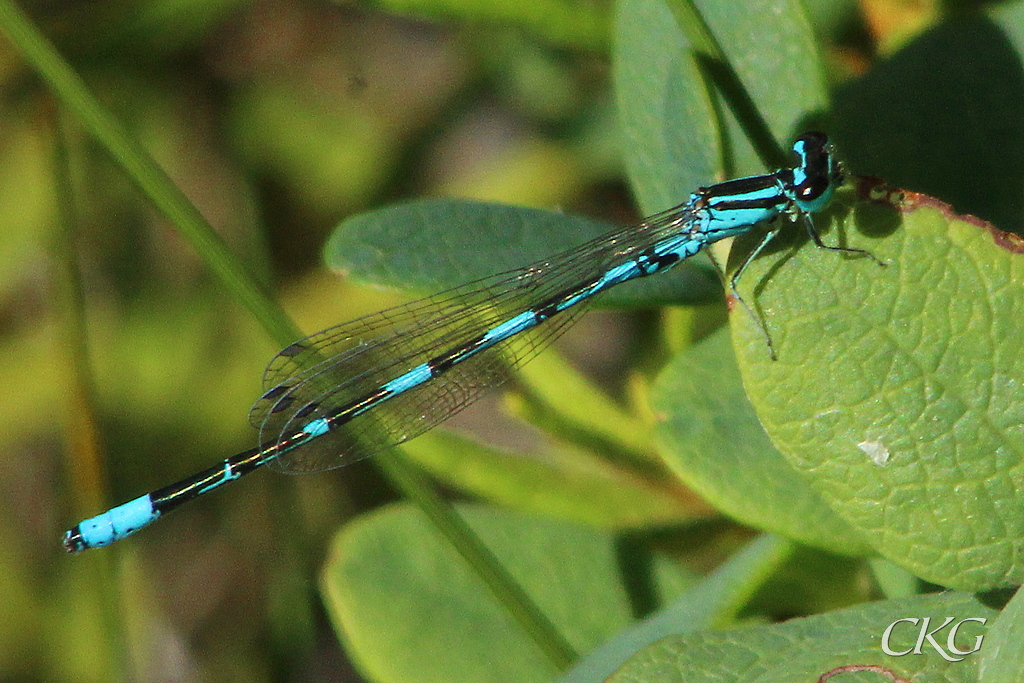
<point>278,119</point>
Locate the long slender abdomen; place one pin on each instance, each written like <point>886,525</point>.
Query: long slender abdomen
<point>124,520</point>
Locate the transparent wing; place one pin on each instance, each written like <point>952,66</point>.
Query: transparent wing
<point>316,376</point>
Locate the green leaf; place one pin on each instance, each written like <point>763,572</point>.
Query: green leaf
<point>710,436</point>
<point>565,484</point>
<point>1003,651</point>
<point>431,245</point>
<point>409,610</point>
<point>708,604</point>
<point>897,389</point>
<point>668,119</point>
<point>804,650</point>
<point>666,115</point>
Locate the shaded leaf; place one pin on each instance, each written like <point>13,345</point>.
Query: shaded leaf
<point>708,604</point>
<point>431,245</point>
<point>949,98</point>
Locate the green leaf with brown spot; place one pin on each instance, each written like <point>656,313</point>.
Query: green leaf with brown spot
<point>897,390</point>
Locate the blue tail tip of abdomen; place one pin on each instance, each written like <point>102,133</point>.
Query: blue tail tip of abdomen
<point>112,525</point>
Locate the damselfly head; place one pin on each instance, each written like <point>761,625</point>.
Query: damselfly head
<point>818,174</point>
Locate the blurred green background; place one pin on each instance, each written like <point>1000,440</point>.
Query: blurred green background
<point>278,118</point>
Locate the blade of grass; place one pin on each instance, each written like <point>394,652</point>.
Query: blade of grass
<point>82,441</point>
